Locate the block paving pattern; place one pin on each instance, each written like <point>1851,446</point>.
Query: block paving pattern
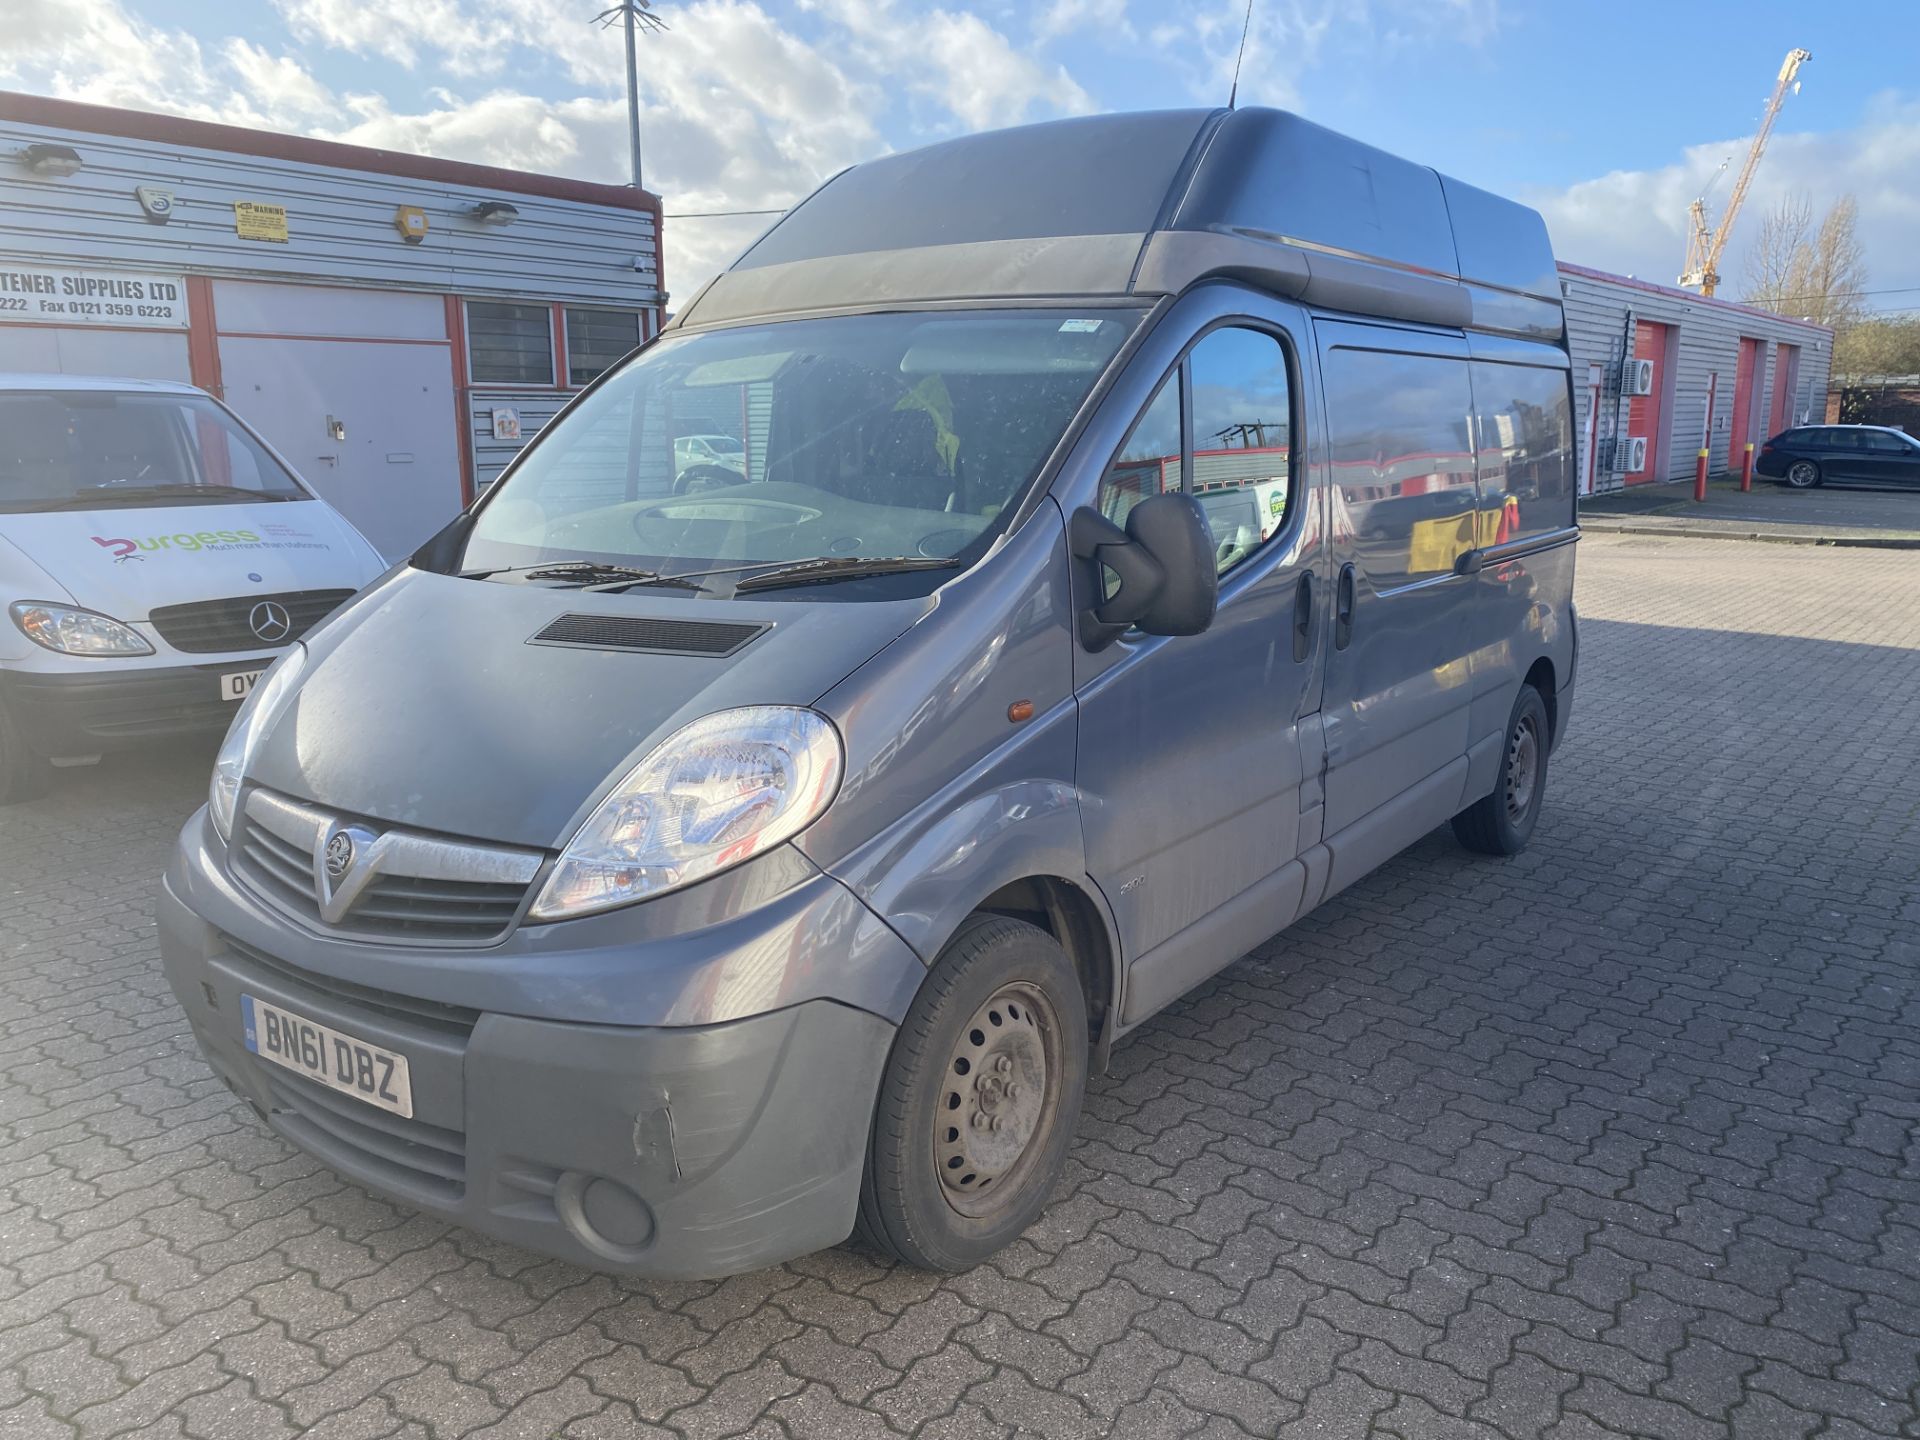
<point>1616,1138</point>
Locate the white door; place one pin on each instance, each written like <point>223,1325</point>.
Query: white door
<point>369,424</point>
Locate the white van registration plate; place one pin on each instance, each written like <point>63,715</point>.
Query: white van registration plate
<point>237,684</point>
<point>340,1062</point>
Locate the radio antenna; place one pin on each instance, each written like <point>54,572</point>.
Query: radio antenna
<point>1239,55</point>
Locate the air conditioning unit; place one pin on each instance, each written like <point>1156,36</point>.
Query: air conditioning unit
<point>1633,453</point>
<point>1638,379</point>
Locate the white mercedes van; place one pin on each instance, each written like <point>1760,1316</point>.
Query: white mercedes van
<point>155,556</point>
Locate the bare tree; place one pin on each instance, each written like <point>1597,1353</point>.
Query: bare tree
<point>1836,270</point>
<point>1808,273</point>
<point>1776,250</point>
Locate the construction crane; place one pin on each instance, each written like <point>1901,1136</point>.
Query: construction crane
<point>1703,248</point>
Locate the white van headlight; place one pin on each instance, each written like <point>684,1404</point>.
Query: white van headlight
<point>256,713</point>
<point>77,632</point>
<point>708,797</point>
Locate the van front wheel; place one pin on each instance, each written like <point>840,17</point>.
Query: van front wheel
<point>979,1101</point>
<point>1502,823</point>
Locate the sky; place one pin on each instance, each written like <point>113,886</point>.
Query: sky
<point>1609,117</point>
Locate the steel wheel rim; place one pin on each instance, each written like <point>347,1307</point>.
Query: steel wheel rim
<point>1802,473</point>
<point>1523,769</point>
<point>999,1093</point>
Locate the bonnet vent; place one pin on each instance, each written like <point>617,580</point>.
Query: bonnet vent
<point>652,636</point>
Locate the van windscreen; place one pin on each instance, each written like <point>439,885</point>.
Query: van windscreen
<point>110,449</point>
<point>852,437</point>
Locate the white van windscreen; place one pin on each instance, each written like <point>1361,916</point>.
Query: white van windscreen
<point>850,438</point>
<point>105,449</point>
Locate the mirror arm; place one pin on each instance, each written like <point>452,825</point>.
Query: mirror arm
<point>1093,538</point>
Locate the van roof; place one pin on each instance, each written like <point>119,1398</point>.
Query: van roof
<point>1145,204</point>
<point>26,380</point>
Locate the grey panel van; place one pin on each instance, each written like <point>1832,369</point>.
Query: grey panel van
<point>1135,530</point>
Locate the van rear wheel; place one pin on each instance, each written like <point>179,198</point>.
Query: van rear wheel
<point>23,772</point>
<point>979,1101</point>
<point>1502,823</point>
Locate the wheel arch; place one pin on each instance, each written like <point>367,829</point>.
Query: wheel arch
<point>1078,921</point>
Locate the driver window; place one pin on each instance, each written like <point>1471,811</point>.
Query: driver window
<point>1149,461</point>
<point>1242,439</point>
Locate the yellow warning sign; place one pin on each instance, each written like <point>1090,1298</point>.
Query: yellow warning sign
<point>254,221</point>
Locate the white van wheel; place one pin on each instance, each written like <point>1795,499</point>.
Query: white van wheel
<point>979,1100</point>
<point>23,773</point>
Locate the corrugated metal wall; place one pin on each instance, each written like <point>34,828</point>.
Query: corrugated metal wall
<point>1709,333</point>
<point>339,222</point>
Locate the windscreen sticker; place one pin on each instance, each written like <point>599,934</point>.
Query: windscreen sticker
<point>277,537</point>
<point>1079,327</point>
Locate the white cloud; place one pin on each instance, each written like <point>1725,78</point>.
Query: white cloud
<point>467,39</point>
<point>973,71</point>
<point>1635,221</point>
<point>1104,17</point>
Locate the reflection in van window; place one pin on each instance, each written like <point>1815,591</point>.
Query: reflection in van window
<point>861,435</point>
<point>1402,461</point>
<point>1526,451</point>
<point>1242,437</point>
<point>100,450</point>
<point>1149,459</point>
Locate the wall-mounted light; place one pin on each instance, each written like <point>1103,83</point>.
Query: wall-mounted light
<point>55,162</point>
<point>494,212</point>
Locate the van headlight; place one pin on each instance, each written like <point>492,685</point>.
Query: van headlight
<point>708,797</point>
<point>257,712</point>
<point>76,632</point>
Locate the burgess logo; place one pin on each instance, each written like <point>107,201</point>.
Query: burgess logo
<point>194,540</point>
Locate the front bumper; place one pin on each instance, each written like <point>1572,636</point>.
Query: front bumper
<point>65,713</point>
<point>672,1151</point>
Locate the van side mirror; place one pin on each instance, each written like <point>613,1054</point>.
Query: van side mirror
<point>1169,582</point>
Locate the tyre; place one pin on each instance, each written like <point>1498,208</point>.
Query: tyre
<point>979,1100</point>
<point>1803,475</point>
<point>23,772</point>
<point>1502,823</point>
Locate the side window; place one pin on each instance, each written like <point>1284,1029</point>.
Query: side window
<point>1881,443</point>
<point>1242,438</point>
<point>1149,459</point>
<point>1403,466</point>
<point>1526,451</point>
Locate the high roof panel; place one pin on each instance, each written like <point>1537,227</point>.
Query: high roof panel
<point>1099,175</point>
<point>1146,204</point>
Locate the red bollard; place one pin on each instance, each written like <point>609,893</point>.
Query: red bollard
<point>1746,470</point>
<point>1700,477</point>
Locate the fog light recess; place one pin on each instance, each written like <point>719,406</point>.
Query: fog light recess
<point>604,1215</point>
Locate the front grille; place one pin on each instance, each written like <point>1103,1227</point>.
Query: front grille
<point>456,1022</point>
<point>409,1154</point>
<point>414,886</point>
<point>206,627</point>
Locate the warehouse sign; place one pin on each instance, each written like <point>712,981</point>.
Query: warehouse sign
<point>56,295</point>
<point>254,221</point>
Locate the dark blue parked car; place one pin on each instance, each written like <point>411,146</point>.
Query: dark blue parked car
<point>1813,455</point>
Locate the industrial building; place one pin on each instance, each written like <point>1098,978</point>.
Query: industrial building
<point>1660,373</point>
<point>395,325</point>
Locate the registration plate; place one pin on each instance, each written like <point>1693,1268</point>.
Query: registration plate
<point>323,1054</point>
<point>236,684</point>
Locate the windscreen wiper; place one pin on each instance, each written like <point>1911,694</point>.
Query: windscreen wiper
<point>829,568</point>
<point>591,574</point>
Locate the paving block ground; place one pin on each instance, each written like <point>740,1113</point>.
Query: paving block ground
<point>1615,1138</point>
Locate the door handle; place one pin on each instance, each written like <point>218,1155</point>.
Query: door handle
<point>1302,616</point>
<point>1343,607</point>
